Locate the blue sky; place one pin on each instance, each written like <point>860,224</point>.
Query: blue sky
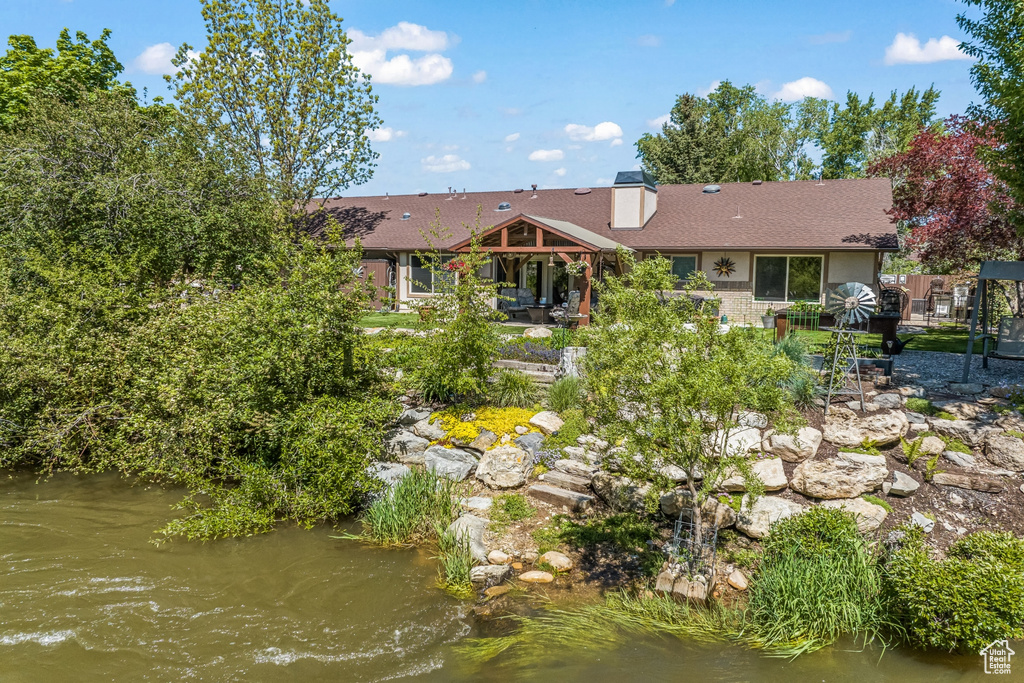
<point>499,95</point>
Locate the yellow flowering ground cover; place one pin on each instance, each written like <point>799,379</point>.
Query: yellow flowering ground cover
<point>500,421</point>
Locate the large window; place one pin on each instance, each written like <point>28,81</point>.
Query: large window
<point>423,281</point>
<point>683,266</point>
<point>787,278</point>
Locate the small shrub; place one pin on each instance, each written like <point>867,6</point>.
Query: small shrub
<point>743,557</point>
<point>911,449</point>
<point>575,426</point>
<point>412,510</point>
<point>566,394</point>
<point>931,467</point>
<point>513,389</point>
<point>875,500</point>
<point>529,351</point>
<point>920,405</point>
<point>964,602</point>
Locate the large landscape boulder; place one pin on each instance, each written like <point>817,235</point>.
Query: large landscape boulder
<point>845,428</point>
<point>1005,451</point>
<point>739,441</point>
<point>504,467</point>
<point>793,447</point>
<point>868,515</point>
<point>677,502</point>
<point>547,422</point>
<point>620,493</point>
<point>970,433</point>
<point>846,476</point>
<point>531,442</point>
<point>471,529</point>
<point>429,430</point>
<point>406,447</point>
<point>388,472</point>
<point>413,415</point>
<point>755,520</point>
<point>453,463</point>
<point>769,471</point>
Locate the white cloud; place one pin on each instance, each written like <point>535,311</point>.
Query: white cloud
<point>384,134</point>
<point>907,49</point>
<point>480,76</point>
<point>616,142</point>
<point>602,131</point>
<point>547,155</point>
<point>512,138</point>
<point>560,172</point>
<point>156,59</point>
<point>403,36</point>
<point>370,54</point>
<point>649,40</point>
<point>603,181</point>
<point>445,164</point>
<point>803,87</point>
<point>658,122</point>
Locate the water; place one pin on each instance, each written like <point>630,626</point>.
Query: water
<point>85,596</point>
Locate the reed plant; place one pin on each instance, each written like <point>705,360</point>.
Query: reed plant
<point>412,510</point>
<point>818,580</point>
<point>456,562</point>
<point>566,394</point>
<point>513,389</point>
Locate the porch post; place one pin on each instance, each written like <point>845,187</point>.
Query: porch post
<point>585,290</point>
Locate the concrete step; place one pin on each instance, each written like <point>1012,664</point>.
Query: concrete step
<point>577,502</point>
<point>566,481</point>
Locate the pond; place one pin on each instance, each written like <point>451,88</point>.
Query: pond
<point>85,595</point>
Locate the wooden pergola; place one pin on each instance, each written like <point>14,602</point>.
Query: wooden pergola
<point>521,238</point>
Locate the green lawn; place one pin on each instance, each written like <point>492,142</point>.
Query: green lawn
<point>944,338</point>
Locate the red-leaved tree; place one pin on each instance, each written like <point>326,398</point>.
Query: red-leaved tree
<point>953,206</point>
<point>954,211</point>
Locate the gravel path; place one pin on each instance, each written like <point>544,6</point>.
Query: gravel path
<point>935,369</point>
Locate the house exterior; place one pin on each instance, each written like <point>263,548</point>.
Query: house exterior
<point>762,244</point>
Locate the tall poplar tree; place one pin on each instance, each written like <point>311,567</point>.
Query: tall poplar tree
<point>276,83</point>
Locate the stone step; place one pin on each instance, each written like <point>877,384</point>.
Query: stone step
<point>971,483</point>
<point>525,367</point>
<point>566,481</point>
<point>577,502</point>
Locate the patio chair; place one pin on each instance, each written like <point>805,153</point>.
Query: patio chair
<point>1010,340</point>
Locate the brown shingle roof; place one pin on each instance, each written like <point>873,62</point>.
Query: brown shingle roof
<point>835,215</point>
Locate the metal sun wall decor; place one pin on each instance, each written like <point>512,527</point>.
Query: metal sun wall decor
<point>725,266</point>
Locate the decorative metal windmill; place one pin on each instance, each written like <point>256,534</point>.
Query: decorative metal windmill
<point>851,304</point>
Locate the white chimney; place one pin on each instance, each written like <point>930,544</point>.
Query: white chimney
<point>634,200</point>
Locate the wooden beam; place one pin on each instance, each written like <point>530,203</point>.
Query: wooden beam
<point>504,237</point>
<point>522,262</point>
<point>540,237</point>
<point>512,249</point>
<point>585,292</point>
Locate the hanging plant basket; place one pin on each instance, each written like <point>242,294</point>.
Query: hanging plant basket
<point>576,268</point>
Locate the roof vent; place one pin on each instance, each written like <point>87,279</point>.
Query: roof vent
<point>712,189</point>
<point>582,190</point>
<point>504,206</point>
<point>422,194</point>
<point>406,216</point>
<point>758,182</point>
<point>519,191</point>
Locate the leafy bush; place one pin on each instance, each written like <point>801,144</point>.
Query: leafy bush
<point>817,581</point>
<point>963,602</point>
<point>414,509</point>
<point>513,389</point>
<point>566,394</point>
<point>576,425</point>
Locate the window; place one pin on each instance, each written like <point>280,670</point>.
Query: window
<point>787,278</point>
<point>422,280</point>
<point>683,266</point>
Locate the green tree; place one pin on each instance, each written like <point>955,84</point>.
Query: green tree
<point>28,72</point>
<point>997,42</point>
<point>276,83</point>
<point>667,382</point>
